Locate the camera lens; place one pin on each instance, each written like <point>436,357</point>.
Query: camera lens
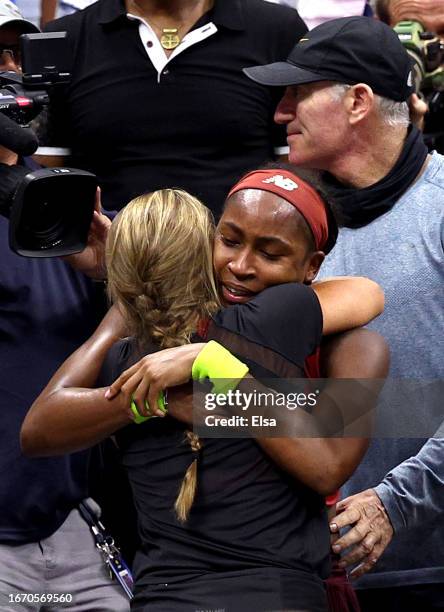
<point>51,212</point>
<point>46,221</point>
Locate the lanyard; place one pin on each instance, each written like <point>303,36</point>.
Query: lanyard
<point>112,557</point>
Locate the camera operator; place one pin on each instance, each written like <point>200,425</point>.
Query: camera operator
<point>46,310</point>
<point>430,14</point>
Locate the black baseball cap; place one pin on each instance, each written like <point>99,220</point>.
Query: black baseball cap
<point>348,50</point>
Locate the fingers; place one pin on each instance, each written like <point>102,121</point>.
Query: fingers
<point>369,562</point>
<point>153,395</point>
<point>363,549</point>
<point>367,539</point>
<point>144,407</point>
<point>115,388</point>
<point>367,519</point>
<point>146,379</point>
<point>361,569</point>
<point>129,389</point>
<point>139,393</point>
<point>143,391</point>
<point>354,536</point>
<point>98,201</point>
<point>99,229</point>
<point>146,396</point>
<point>418,110</point>
<point>126,391</point>
<point>344,519</point>
<point>344,504</point>
<point>100,223</point>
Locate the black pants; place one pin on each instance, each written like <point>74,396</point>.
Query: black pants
<point>415,598</point>
<point>249,591</point>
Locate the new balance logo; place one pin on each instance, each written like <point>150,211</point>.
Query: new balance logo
<point>282,182</point>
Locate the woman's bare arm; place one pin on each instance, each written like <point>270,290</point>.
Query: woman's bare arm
<point>348,302</point>
<point>324,464</point>
<point>66,416</point>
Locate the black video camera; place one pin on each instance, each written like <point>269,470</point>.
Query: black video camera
<point>427,52</point>
<point>23,97</point>
<point>49,210</point>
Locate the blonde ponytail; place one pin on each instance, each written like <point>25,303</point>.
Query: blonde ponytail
<point>188,487</point>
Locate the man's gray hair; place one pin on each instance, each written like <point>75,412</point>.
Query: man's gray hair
<point>393,114</point>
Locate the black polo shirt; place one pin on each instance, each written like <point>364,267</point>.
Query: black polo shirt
<point>197,123</point>
<point>253,529</point>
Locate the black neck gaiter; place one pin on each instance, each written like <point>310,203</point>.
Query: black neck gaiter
<point>361,206</point>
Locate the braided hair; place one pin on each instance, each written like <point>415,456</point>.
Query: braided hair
<point>160,272</point>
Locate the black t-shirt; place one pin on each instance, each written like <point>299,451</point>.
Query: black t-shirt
<point>248,515</point>
<point>198,124</point>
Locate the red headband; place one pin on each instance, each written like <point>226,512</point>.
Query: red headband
<point>297,192</point>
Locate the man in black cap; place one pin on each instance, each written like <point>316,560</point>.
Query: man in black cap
<point>346,112</point>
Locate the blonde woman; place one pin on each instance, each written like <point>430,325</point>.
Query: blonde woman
<point>255,537</point>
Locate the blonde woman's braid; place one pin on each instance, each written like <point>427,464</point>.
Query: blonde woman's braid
<point>159,260</point>
<point>187,491</point>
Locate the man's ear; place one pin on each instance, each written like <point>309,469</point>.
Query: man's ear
<point>314,262</point>
<point>359,101</point>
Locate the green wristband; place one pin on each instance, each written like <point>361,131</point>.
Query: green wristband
<point>223,369</point>
<point>161,404</point>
